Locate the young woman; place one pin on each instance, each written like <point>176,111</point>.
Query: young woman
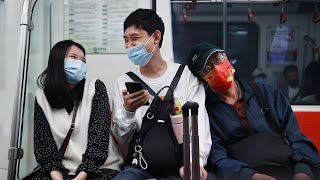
<point>90,153</point>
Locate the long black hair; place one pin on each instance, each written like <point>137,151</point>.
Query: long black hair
<point>52,80</point>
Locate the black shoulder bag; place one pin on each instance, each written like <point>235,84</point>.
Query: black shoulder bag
<point>63,147</point>
<point>155,148</point>
<point>266,152</point>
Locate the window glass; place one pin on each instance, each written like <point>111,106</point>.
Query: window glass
<point>279,47</point>
<point>201,24</point>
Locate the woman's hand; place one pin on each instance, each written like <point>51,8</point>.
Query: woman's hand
<point>56,175</point>
<point>81,176</point>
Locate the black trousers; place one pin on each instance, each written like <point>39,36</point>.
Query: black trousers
<point>283,173</point>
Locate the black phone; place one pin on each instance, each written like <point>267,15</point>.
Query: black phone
<point>133,87</point>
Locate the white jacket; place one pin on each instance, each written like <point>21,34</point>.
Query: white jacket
<point>189,88</point>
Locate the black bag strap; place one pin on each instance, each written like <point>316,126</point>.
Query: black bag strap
<point>152,113</point>
<point>175,81</point>
<point>173,84</point>
<point>65,143</point>
<point>136,78</point>
<point>265,110</point>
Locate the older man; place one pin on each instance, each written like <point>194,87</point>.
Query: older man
<point>254,131</point>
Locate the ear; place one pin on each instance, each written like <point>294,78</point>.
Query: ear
<point>157,36</point>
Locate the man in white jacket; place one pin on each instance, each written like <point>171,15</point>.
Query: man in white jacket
<point>143,36</point>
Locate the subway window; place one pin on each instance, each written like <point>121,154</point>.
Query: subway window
<point>191,26</point>
<point>274,42</point>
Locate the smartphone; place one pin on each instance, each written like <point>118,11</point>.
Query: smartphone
<point>133,87</point>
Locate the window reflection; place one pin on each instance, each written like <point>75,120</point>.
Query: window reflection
<point>282,54</point>
<point>202,24</point>
<point>310,92</point>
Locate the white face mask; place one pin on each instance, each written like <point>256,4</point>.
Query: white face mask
<point>75,70</point>
<point>139,54</point>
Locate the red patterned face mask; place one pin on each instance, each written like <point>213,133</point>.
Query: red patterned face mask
<point>221,77</point>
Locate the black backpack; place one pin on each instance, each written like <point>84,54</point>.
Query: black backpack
<point>155,148</point>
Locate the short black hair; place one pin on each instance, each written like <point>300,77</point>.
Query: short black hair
<point>290,68</point>
<point>52,80</point>
<point>145,19</point>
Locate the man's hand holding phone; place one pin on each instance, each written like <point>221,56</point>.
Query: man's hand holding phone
<point>134,96</point>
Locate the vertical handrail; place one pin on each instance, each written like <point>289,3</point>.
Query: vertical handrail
<point>195,142</point>
<point>154,5</point>
<point>15,152</point>
<point>51,25</point>
<point>186,140</point>
<point>225,25</point>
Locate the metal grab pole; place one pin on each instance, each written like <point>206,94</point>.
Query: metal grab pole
<point>15,152</point>
<point>186,140</point>
<point>225,25</point>
<point>194,106</point>
<point>195,142</point>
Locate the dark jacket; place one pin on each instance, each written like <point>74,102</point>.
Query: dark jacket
<point>226,130</point>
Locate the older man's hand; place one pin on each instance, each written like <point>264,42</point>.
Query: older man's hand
<point>301,176</point>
